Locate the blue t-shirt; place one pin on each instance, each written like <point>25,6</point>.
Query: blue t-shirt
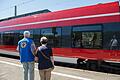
<point>44,63</point>
<point>25,50</point>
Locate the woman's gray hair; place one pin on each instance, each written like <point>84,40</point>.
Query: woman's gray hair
<point>43,40</point>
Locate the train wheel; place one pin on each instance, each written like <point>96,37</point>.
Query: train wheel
<point>81,63</point>
<point>92,65</point>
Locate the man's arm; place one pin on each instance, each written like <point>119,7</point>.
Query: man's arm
<point>36,55</point>
<point>33,48</point>
<point>17,48</point>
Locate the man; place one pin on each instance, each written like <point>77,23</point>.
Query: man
<point>26,48</point>
<point>114,43</point>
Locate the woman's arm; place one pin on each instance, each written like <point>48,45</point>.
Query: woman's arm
<point>52,59</point>
<point>51,56</point>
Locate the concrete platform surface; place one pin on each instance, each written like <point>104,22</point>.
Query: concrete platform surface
<point>11,69</point>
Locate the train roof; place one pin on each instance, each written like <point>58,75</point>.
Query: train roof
<point>95,14</point>
<point>26,14</point>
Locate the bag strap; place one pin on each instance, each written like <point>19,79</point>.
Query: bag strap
<point>44,55</point>
<point>47,58</point>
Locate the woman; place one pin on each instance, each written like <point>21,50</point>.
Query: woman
<point>45,59</point>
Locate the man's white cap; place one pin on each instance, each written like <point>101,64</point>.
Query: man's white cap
<point>26,33</point>
<point>43,39</point>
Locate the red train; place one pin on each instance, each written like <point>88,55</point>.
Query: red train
<point>78,34</point>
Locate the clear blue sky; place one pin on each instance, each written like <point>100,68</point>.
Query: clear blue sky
<point>25,6</point>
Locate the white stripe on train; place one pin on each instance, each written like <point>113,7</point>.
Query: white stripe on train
<point>64,19</point>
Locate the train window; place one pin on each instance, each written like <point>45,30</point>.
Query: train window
<point>111,36</point>
<point>57,36</point>
<point>66,36</point>
<point>91,39</point>
<point>36,36</point>
<point>21,34</point>
<point>0,38</point>
<point>31,33</point>
<point>87,28</point>
<point>87,37</point>
<point>77,39</point>
<point>8,38</point>
<point>112,40</point>
<point>16,37</point>
<point>114,27</point>
<point>47,32</point>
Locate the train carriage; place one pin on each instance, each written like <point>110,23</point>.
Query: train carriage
<point>77,34</point>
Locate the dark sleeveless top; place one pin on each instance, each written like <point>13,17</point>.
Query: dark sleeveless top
<point>44,63</point>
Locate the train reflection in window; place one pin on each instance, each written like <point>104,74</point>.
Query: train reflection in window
<point>87,37</point>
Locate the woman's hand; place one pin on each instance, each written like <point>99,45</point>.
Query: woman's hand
<point>36,59</point>
<point>52,60</point>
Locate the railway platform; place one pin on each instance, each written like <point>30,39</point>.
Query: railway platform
<point>11,69</point>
